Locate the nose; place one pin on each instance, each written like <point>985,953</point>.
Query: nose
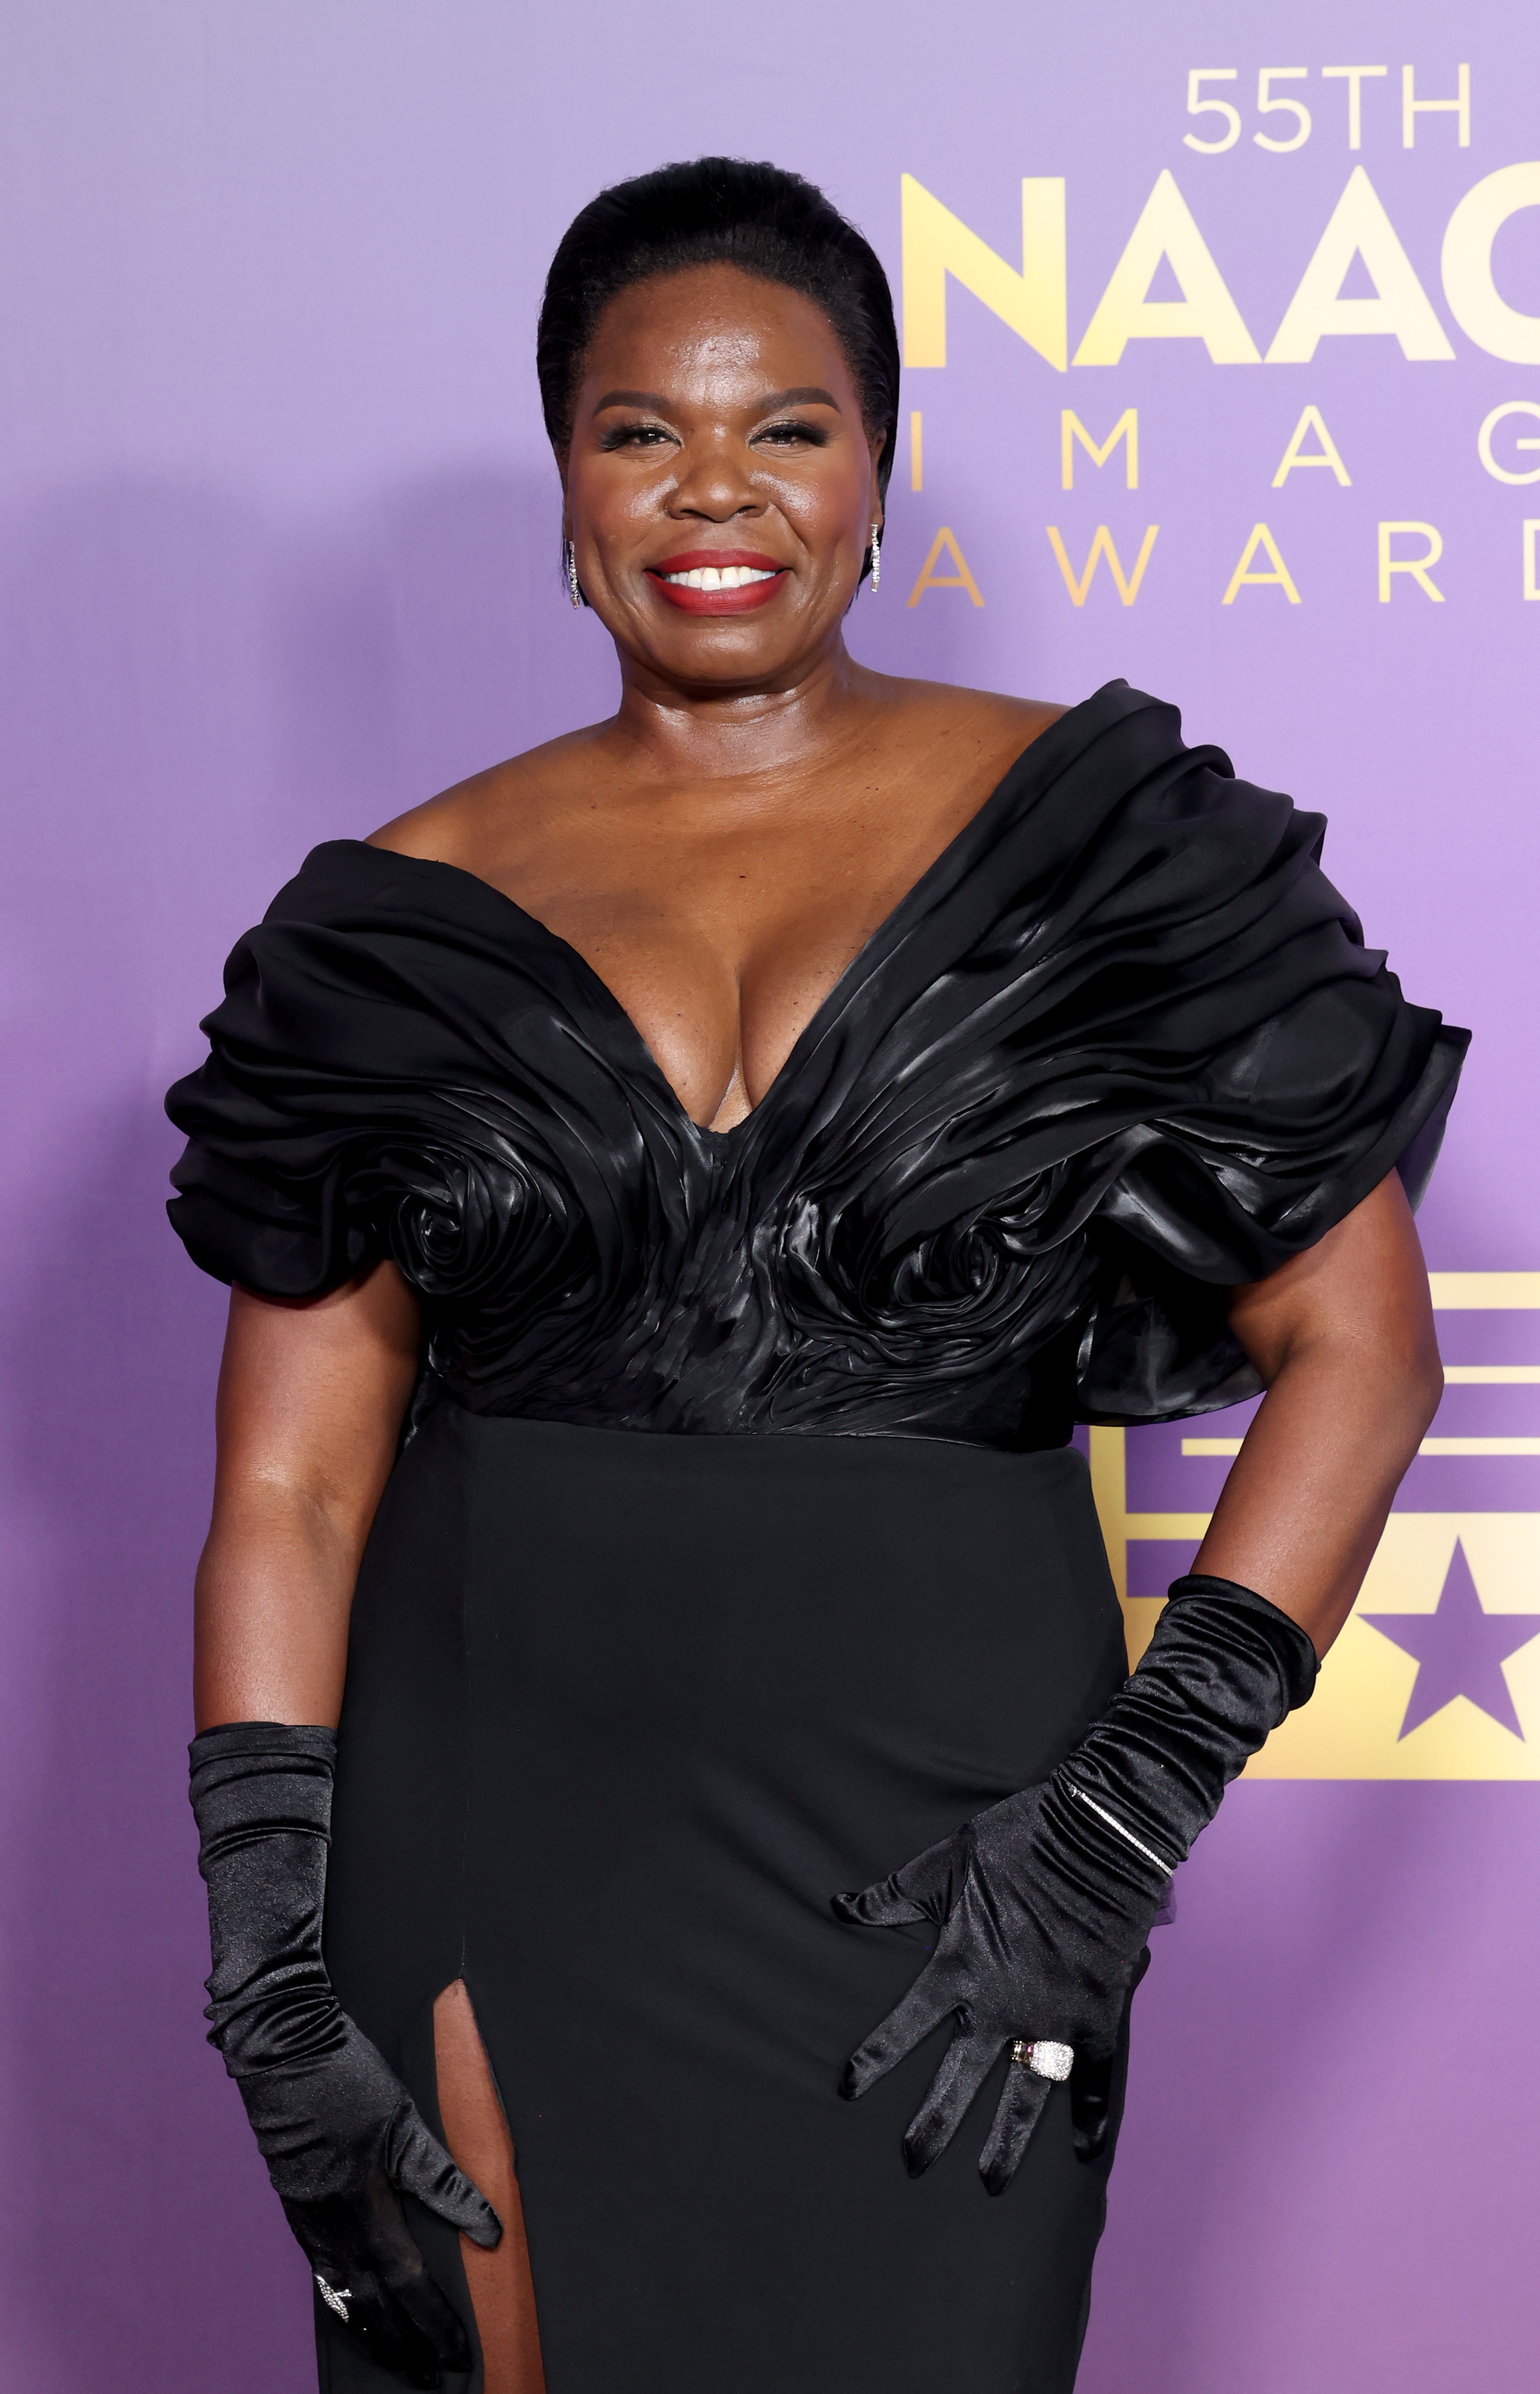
<point>716,481</point>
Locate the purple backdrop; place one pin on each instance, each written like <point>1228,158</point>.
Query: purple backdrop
<point>279,539</point>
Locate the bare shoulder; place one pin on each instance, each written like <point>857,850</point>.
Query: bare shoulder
<point>460,822</point>
<point>983,710</point>
<point>974,730</point>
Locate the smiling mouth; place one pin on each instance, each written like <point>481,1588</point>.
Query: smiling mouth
<point>704,582</point>
<point>726,577</point>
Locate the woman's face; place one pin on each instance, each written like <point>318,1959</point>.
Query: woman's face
<point>718,433</point>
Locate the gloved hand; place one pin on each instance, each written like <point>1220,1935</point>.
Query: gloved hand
<point>1044,1902</point>
<point>340,2135</point>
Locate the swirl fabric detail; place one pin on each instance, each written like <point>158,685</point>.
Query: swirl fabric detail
<point>1121,1047</point>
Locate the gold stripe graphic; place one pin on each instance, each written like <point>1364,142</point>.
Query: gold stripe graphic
<point>1351,1729</point>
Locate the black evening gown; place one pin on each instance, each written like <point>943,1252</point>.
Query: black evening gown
<point>737,1550</point>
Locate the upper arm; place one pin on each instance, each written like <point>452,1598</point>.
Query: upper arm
<point>1363,1284</point>
<point>312,1396</point>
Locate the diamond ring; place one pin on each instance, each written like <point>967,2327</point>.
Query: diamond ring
<point>335,2298</point>
<point>1044,2058</point>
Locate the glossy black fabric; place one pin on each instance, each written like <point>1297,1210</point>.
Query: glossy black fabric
<point>1042,1903</point>
<point>341,2136</point>
<point>1223,1669</point>
<point>1121,1046</point>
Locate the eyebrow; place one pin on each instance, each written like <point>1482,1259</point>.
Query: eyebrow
<point>804,395</point>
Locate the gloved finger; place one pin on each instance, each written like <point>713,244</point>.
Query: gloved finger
<point>418,2164</point>
<point>368,2258</point>
<point>436,2321</point>
<point>403,2347</point>
<point>921,1890</point>
<point>965,2066</point>
<point>929,2000</point>
<point>877,1907</point>
<point>1091,2103</point>
<point>1017,2114</point>
<point>389,2338</point>
<point>1091,2085</point>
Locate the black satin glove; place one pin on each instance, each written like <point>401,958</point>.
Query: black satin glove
<point>1045,1902</point>
<point>340,2135</point>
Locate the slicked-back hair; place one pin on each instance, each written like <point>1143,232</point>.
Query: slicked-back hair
<point>773,225</point>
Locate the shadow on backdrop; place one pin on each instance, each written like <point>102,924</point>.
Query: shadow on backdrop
<point>193,694</point>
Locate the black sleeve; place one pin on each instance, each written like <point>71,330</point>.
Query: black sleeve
<point>370,1089</point>
<point>1267,1071</point>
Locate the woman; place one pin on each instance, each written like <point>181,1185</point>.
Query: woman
<point>680,1188</point>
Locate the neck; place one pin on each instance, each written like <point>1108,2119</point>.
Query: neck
<point>707,732</point>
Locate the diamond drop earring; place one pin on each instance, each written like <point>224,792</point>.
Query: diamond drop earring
<point>876,557</point>
<point>569,559</point>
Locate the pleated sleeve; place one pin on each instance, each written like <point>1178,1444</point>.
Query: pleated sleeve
<point>305,1072</point>
<point>391,1075</point>
<point>1269,1071</point>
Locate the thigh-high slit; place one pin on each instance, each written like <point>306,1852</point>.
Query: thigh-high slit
<point>623,1712</point>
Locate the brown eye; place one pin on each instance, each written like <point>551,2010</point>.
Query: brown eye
<point>633,436</point>
<point>791,433</point>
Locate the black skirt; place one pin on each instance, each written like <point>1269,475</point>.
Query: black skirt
<point>623,1712</point>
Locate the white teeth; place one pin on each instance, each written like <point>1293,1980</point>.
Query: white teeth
<point>725,577</point>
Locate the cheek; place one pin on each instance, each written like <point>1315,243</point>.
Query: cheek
<point>826,503</point>
<point>615,507</point>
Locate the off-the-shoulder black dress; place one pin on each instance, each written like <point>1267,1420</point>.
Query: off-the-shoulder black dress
<point>737,1552</point>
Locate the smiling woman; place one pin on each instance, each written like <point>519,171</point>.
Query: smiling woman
<point>682,1186</point>
<point>812,454</point>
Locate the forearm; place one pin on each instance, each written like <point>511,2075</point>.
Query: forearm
<point>273,1595</point>
<point>1306,1501</point>
<point>311,1398</point>
<point>309,1411</point>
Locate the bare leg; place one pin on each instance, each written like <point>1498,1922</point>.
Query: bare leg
<point>477,2134</point>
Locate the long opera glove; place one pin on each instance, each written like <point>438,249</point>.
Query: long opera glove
<point>1042,1903</point>
<point>342,2139</point>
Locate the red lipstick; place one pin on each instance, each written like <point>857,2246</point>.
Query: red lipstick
<point>738,600</point>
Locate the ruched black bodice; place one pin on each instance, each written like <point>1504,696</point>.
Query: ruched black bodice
<point>1120,1048</point>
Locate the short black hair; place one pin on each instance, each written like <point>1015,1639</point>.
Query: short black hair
<point>720,211</point>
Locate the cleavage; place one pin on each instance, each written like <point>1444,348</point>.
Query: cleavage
<point>721,1030</point>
